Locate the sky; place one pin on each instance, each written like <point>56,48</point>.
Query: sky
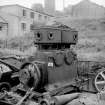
<point>59,3</point>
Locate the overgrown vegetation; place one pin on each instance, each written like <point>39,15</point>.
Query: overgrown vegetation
<point>91,43</point>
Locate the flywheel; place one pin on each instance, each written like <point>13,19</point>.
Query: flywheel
<point>30,75</point>
<point>100,81</point>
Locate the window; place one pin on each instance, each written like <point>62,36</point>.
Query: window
<point>23,25</point>
<point>32,14</point>
<point>24,12</point>
<point>48,18</point>
<point>1,28</point>
<point>31,27</point>
<point>40,17</point>
<point>45,17</point>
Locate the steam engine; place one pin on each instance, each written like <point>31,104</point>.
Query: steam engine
<point>49,77</point>
<point>55,64</point>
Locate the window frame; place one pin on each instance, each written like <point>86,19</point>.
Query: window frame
<point>31,27</point>
<point>45,17</point>
<point>24,13</point>
<point>23,26</point>
<point>39,17</point>
<point>1,27</point>
<point>32,15</point>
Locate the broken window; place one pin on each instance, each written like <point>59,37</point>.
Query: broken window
<point>0,28</point>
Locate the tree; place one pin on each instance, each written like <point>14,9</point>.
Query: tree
<point>38,7</point>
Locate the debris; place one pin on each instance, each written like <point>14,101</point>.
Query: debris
<point>63,99</point>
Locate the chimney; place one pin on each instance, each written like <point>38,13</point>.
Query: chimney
<point>49,6</point>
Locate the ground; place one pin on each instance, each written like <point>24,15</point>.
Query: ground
<point>88,99</point>
<point>84,99</point>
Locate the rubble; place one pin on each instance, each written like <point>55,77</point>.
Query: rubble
<point>87,99</point>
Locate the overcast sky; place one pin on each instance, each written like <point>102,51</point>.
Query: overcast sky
<point>59,3</point>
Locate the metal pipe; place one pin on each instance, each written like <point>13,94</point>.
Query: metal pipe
<point>63,99</point>
<point>59,100</point>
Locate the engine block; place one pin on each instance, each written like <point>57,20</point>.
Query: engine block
<point>55,63</point>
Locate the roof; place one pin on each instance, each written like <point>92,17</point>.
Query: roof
<point>55,26</point>
<point>26,8</point>
<point>89,1</point>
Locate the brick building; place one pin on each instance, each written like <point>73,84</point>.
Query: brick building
<point>20,19</point>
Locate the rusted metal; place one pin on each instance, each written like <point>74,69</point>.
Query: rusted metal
<point>64,99</point>
<point>59,100</point>
<point>54,69</point>
<point>26,95</point>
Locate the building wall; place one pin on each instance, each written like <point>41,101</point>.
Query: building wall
<point>29,21</point>
<point>50,6</point>
<point>3,30</point>
<point>88,9</point>
<point>13,27</point>
<point>12,24</point>
<point>17,10</point>
<point>13,10</point>
<point>17,16</point>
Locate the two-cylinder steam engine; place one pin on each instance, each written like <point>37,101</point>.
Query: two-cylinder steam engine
<point>55,63</point>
